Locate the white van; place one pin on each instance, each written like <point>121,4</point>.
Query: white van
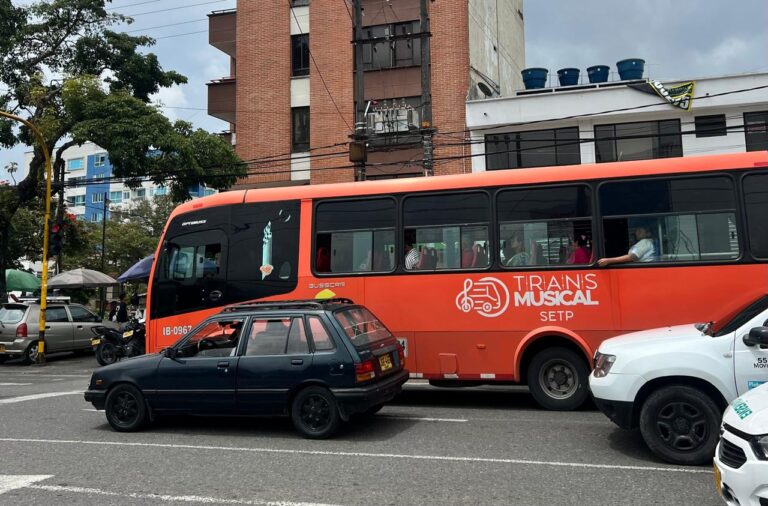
<point>675,382</point>
<point>741,459</point>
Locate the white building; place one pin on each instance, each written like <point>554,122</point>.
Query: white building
<point>614,121</point>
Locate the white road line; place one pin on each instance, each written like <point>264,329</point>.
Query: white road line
<point>91,409</point>
<point>168,498</point>
<point>15,384</point>
<point>13,482</point>
<point>442,458</point>
<point>43,374</point>
<point>423,419</point>
<point>34,397</point>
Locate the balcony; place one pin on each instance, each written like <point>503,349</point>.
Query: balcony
<point>222,30</point>
<point>222,99</point>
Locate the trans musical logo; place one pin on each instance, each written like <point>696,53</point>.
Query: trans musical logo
<point>488,297</point>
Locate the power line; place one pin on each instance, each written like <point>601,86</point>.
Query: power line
<point>174,8</point>
<point>165,26</point>
<point>133,5</point>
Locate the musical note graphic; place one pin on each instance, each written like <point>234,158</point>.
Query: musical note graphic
<point>489,297</point>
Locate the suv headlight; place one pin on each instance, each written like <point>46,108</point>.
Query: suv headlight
<point>603,364</point>
<point>760,445</point>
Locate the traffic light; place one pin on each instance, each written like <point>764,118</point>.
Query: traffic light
<point>55,240</point>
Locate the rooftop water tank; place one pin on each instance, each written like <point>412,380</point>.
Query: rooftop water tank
<point>534,77</point>
<point>568,76</point>
<point>631,68</point>
<point>598,73</point>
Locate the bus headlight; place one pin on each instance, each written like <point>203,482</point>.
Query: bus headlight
<point>603,364</point>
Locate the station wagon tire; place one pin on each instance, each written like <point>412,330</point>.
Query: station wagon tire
<point>557,379</point>
<point>126,409</point>
<point>680,424</point>
<point>315,413</point>
<point>106,353</point>
<point>30,354</point>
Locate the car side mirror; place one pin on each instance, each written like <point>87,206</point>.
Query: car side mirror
<point>757,336</point>
<point>171,352</point>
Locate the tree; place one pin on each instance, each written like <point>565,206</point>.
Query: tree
<point>66,72</point>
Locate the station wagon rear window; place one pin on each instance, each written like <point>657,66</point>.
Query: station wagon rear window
<point>361,326</point>
<point>12,314</point>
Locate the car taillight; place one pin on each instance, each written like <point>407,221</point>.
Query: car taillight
<point>21,330</point>
<point>364,371</point>
<point>401,354</point>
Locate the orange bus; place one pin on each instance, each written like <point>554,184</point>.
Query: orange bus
<point>490,277</point>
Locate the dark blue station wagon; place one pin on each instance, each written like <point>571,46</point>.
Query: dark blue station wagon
<point>318,362</point>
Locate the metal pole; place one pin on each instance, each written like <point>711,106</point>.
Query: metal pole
<point>359,134</point>
<point>46,225</point>
<point>103,251</point>
<point>426,91</point>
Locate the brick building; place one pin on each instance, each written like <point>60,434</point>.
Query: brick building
<point>290,98</point>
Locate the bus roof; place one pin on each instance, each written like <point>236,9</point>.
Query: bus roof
<point>562,173</point>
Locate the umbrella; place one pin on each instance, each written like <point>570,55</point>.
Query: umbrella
<point>22,281</point>
<point>80,278</point>
<point>139,270</point>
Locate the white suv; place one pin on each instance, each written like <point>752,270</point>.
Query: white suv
<point>675,382</point>
<point>741,460</point>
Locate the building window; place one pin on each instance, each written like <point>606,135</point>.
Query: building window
<point>299,129</point>
<point>385,53</point>
<point>159,191</point>
<point>75,181</point>
<point>300,55</point>
<point>97,198</point>
<point>141,194</point>
<point>99,160</point>
<point>299,3</point>
<point>539,148</point>
<point>116,197</point>
<point>75,164</point>
<point>76,200</point>
<point>710,126</point>
<point>638,141</point>
<point>756,130</point>
<point>98,216</point>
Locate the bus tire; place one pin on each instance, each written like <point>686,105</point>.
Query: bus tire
<point>557,379</point>
<point>680,425</point>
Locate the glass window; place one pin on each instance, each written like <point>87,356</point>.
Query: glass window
<point>638,141</point>
<point>446,231</point>
<point>545,226</point>
<point>97,198</point>
<point>77,200</point>
<point>56,314</point>
<point>756,130</point>
<point>297,338</point>
<point>141,193</point>
<point>80,314</point>
<point>361,326</point>
<point>710,126</point>
<point>385,52</point>
<point>268,336</point>
<point>300,55</point>
<point>756,207</point>
<point>355,236</point>
<point>12,314</point>
<point>299,129</point>
<point>217,338</point>
<point>538,148</point>
<point>75,164</point>
<point>677,220</point>
<point>116,197</point>
<point>99,160</point>
<point>320,337</point>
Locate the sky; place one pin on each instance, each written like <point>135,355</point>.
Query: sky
<point>680,40</point>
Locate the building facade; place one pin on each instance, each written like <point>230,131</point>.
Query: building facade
<point>615,121</point>
<point>290,95</point>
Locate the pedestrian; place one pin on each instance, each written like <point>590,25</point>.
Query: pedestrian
<point>121,313</point>
<point>112,306</point>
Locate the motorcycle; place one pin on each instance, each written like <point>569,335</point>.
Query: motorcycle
<point>111,345</point>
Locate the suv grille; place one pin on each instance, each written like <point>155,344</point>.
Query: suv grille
<point>731,455</point>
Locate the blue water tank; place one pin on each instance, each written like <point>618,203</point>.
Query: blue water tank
<point>568,76</point>
<point>534,77</point>
<point>631,68</point>
<point>598,73</point>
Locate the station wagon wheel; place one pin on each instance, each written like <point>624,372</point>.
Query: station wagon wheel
<point>125,408</point>
<point>30,354</point>
<point>680,424</point>
<point>557,379</point>
<point>315,413</point>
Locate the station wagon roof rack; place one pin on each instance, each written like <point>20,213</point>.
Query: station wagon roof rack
<point>287,304</point>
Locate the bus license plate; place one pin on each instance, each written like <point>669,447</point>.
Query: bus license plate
<point>95,342</point>
<point>385,362</point>
<point>128,333</point>
<point>718,480</point>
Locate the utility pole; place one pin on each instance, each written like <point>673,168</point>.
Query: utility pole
<point>60,209</point>
<point>426,91</point>
<point>358,149</point>
<point>103,250</point>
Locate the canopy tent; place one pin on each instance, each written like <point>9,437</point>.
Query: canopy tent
<point>81,278</point>
<point>21,281</point>
<point>138,271</point>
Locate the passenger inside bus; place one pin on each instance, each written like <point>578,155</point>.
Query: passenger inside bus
<point>514,251</point>
<point>643,250</point>
<point>411,255</point>
<point>580,251</point>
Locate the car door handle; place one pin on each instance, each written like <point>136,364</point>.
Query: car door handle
<point>297,361</point>
<point>223,365</point>
<point>79,326</point>
<point>47,327</point>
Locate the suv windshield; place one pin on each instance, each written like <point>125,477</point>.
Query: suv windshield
<point>12,313</point>
<point>361,326</point>
<point>744,316</point>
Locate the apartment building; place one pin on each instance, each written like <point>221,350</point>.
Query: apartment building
<point>290,94</point>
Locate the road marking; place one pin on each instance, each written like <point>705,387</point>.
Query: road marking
<point>90,409</point>
<point>13,482</point>
<point>14,384</point>
<point>442,458</point>
<point>52,375</point>
<point>168,498</point>
<point>34,397</point>
<point>423,419</point>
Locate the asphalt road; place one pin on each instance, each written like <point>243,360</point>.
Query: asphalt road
<point>430,446</point>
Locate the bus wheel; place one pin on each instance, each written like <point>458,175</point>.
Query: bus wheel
<point>681,425</point>
<point>557,379</point>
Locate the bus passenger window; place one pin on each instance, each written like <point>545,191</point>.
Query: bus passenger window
<point>545,226</point>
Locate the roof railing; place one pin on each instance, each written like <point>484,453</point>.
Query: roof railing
<point>287,304</point>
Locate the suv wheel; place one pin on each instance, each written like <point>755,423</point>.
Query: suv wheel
<point>125,408</point>
<point>30,354</point>
<point>557,379</point>
<point>315,413</point>
<point>680,425</point>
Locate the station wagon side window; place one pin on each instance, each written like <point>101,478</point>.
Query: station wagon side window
<point>56,314</point>
<point>80,314</point>
<point>217,338</point>
<point>268,336</point>
<point>320,336</point>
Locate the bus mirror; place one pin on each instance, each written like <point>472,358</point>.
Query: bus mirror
<point>757,336</point>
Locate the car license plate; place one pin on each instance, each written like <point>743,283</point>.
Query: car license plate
<point>2,348</point>
<point>95,342</point>
<point>128,333</point>
<point>385,362</point>
<point>718,480</point>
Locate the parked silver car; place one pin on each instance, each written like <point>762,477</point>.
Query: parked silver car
<point>67,328</point>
